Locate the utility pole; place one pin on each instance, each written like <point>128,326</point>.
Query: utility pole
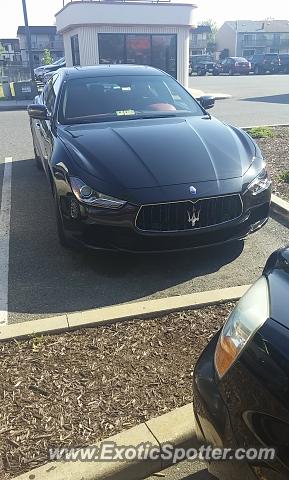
<point>28,41</point>
<point>236,39</point>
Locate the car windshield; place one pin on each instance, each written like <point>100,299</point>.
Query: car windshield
<point>99,99</point>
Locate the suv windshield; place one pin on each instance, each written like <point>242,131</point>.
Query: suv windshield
<point>99,99</point>
<point>202,58</point>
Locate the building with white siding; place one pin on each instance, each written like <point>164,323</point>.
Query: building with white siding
<point>137,32</point>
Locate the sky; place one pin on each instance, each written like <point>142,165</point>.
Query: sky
<point>41,12</point>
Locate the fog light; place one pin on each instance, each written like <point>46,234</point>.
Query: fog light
<point>74,209</point>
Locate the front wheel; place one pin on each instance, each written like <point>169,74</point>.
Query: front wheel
<point>64,242</point>
<point>200,72</point>
<point>231,72</point>
<point>216,73</point>
<point>37,160</point>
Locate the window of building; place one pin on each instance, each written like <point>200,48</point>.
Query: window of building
<point>75,50</point>
<point>157,50</point>
<point>111,48</point>
<point>138,49</point>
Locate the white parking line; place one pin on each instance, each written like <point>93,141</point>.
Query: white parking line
<point>5,211</point>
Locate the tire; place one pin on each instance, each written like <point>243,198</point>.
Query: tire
<point>64,242</point>
<point>231,73</point>
<point>201,72</point>
<point>257,70</point>
<point>216,73</point>
<point>38,162</point>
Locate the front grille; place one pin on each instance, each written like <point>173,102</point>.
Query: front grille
<point>189,215</point>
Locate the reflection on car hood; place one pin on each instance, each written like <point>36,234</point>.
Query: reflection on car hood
<point>159,152</point>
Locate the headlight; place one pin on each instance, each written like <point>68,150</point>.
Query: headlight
<point>89,196</point>
<point>248,316</point>
<point>260,183</point>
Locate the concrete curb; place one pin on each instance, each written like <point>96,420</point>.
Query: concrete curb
<point>199,93</point>
<point>176,428</point>
<point>280,207</point>
<point>272,125</point>
<point>119,313</point>
<point>14,107</point>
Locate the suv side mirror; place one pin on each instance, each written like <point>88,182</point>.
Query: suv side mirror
<point>207,101</point>
<point>37,111</point>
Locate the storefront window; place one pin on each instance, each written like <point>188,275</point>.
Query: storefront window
<point>138,49</point>
<point>157,50</point>
<point>111,48</point>
<point>164,53</point>
<point>75,50</point>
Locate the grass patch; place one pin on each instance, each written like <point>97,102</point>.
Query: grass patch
<point>261,132</point>
<point>284,177</point>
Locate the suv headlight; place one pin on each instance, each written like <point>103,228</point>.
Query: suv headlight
<point>89,196</point>
<point>248,316</point>
<point>260,183</point>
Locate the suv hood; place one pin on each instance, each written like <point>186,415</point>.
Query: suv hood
<point>160,152</point>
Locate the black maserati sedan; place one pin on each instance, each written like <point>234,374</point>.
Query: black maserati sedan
<point>136,164</point>
<point>241,380</point>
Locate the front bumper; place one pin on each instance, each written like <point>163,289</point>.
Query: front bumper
<point>115,230</point>
<point>221,406</point>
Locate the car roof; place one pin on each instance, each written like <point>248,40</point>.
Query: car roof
<point>110,70</point>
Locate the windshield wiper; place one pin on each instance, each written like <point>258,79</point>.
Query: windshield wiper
<point>165,115</point>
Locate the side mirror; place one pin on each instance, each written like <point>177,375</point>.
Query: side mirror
<point>37,111</point>
<point>207,101</point>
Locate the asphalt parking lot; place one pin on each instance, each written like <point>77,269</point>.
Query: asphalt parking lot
<point>256,99</point>
<point>46,280</point>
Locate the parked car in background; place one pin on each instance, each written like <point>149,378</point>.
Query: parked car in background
<point>39,72</point>
<point>136,164</point>
<point>241,379</point>
<point>233,65</point>
<point>47,76</point>
<point>202,64</point>
<point>265,63</point>
<point>284,62</point>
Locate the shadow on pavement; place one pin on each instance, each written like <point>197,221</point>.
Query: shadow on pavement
<point>46,279</point>
<point>202,475</point>
<point>283,98</point>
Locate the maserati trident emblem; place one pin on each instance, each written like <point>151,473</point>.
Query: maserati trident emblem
<point>194,216</point>
<point>193,190</point>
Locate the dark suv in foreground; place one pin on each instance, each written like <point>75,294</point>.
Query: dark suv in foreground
<point>265,63</point>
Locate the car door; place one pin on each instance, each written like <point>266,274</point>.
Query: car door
<point>225,65</point>
<point>46,134</point>
<point>37,128</point>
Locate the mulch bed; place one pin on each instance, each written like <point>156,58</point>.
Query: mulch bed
<point>276,152</point>
<point>78,388</point>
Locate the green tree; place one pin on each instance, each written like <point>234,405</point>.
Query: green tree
<point>47,59</point>
<point>211,37</point>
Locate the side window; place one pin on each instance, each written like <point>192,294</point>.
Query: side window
<point>50,96</point>
<point>57,83</point>
<point>44,94</point>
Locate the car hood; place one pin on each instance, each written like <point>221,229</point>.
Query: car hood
<point>160,152</point>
